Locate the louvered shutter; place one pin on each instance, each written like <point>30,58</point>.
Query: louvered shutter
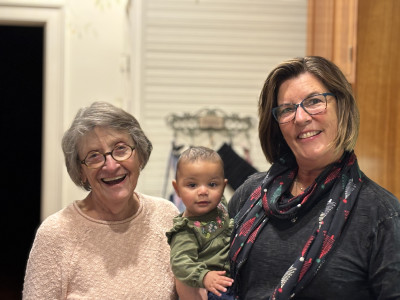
<point>190,55</point>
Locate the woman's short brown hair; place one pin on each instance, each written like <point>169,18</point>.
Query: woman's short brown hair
<point>272,142</point>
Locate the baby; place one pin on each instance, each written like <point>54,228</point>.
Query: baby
<point>200,236</point>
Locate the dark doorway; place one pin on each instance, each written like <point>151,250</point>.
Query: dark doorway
<point>21,95</point>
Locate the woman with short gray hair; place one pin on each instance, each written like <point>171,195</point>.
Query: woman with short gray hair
<point>111,244</point>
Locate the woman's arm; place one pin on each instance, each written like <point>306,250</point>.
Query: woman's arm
<point>243,192</point>
<point>384,267</point>
<point>43,278</point>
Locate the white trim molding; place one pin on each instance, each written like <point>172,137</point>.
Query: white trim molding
<point>52,20</point>
<point>33,3</point>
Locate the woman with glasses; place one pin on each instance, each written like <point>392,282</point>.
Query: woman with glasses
<point>313,226</point>
<point>111,244</point>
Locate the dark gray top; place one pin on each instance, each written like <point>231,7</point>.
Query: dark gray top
<point>364,264</point>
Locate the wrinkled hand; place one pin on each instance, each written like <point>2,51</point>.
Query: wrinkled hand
<point>215,282</point>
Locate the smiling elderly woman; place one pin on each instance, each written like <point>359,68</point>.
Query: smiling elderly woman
<point>111,244</point>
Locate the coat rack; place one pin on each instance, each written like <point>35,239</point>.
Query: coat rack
<point>209,121</point>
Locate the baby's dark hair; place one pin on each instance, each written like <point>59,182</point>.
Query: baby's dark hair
<point>199,153</point>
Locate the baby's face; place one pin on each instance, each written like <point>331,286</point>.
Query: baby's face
<point>200,185</point>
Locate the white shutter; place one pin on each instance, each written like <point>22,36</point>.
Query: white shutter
<point>189,55</point>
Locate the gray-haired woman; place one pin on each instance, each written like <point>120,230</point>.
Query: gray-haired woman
<point>111,244</point>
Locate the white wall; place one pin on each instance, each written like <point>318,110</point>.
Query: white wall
<point>150,61</point>
<point>95,66</point>
<point>85,51</point>
<point>195,54</point>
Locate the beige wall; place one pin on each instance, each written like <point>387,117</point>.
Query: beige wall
<point>97,52</point>
<point>85,47</point>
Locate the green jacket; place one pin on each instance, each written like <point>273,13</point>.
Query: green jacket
<point>200,244</point>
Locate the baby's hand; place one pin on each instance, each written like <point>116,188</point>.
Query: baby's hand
<point>215,281</point>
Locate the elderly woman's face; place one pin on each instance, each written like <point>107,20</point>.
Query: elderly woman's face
<point>114,181</point>
<point>309,137</point>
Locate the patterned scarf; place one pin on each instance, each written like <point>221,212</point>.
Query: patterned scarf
<point>341,179</point>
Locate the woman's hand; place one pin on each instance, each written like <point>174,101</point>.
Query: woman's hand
<point>215,282</point>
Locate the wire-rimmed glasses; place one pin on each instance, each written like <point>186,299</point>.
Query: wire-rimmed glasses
<point>95,159</point>
<point>314,104</point>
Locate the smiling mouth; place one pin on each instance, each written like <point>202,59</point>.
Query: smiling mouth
<point>202,202</point>
<point>309,134</point>
<point>114,180</point>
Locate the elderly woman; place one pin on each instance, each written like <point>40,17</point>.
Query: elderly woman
<point>111,244</point>
<point>313,226</point>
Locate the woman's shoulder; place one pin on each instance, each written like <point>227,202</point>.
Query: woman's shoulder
<point>60,218</point>
<point>378,200</point>
<point>252,182</point>
<point>243,192</point>
<point>159,206</point>
<point>377,211</point>
<point>59,226</point>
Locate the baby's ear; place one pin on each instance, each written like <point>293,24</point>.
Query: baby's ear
<point>225,182</point>
<point>175,185</point>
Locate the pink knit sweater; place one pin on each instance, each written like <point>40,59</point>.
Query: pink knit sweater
<point>77,257</point>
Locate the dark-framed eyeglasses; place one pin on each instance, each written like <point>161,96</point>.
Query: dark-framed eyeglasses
<point>95,159</point>
<point>313,105</point>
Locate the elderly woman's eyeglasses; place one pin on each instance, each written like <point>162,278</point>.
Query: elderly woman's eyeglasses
<point>312,105</point>
<point>95,159</point>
